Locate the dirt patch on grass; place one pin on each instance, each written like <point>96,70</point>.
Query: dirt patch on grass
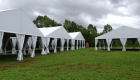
<point>23,63</point>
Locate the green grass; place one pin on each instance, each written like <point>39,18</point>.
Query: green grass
<point>82,64</point>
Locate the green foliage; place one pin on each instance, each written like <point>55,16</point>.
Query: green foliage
<point>44,21</point>
<point>82,64</point>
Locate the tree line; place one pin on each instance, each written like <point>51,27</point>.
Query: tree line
<point>88,33</point>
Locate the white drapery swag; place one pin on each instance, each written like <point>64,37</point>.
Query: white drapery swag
<point>108,44</point>
<point>13,42</point>
<point>34,39</point>
<point>67,44</point>
<point>72,44</point>
<point>84,43</point>
<point>20,41</point>
<point>1,38</point>
<point>29,43</point>
<point>104,44</point>
<point>62,44</point>
<point>123,41</point>
<point>96,41</point>
<point>55,45</point>
<point>77,45</point>
<point>42,41</point>
<point>47,45</point>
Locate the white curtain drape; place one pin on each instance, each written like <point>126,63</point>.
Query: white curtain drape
<point>84,43</point>
<point>34,39</point>
<point>77,44</point>
<point>72,44</point>
<point>123,41</point>
<point>29,43</point>
<point>42,41</point>
<point>13,42</point>
<point>96,41</point>
<point>20,41</point>
<point>1,39</point>
<point>108,44</point>
<point>55,45</point>
<point>67,44</point>
<point>47,45</point>
<point>62,44</point>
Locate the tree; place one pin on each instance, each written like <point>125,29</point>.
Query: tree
<point>107,28</point>
<point>44,21</point>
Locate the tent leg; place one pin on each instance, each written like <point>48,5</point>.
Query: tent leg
<point>99,44</point>
<point>55,45</point>
<point>67,44</point>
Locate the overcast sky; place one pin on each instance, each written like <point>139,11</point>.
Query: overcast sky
<point>97,12</point>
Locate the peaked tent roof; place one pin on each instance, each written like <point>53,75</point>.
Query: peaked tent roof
<point>55,32</point>
<point>16,21</point>
<point>121,32</point>
<point>77,35</point>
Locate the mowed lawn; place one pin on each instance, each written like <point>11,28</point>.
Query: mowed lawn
<point>82,64</point>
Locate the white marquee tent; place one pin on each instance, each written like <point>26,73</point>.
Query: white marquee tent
<point>17,23</point>
<point>79,37</point>
<point>55,32</point>
<point>122,33</point>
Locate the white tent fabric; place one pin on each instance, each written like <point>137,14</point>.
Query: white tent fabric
<point>20,41</point>
<point>55,45</point>
<point>67,44</point>
<point>72,44</point>
<point>99,44</point>
<point>13,42</point>
<point>47,45</point>
<point>34,39</point>
<point>108,44</point>
<point>62,44</point>
<point>29,43</point>
<point>52,43</point>
<point>1,38</point>
<point>77,36</point>
<point>77,44</point>
<point>123,41</point>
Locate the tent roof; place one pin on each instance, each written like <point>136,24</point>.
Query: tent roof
<point>77,35</point>
<point>121,32</point>
<point>16,21</point>
<point>55,32</point>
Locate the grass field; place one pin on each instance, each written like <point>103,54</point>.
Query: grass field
<point>82,64</point>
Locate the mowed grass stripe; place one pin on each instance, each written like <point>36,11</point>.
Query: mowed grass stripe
<point>82,64</point>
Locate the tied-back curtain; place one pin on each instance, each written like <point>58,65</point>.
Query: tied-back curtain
<point>96,41</point>
<point>67,44</point>
<point>77,45</point>
<point>34,39</point>
<point>47,45</point>
<point>108,44</point>
<point>29,45</point>
<point>1,39</point>
<point>52,44</point>
<point>42,43</point>
<point>123,41</point>
<point>72,44</point>
<point>62,44</point>
<point>13,42</point>
<point>55,45</point>
<point>20,41</point>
